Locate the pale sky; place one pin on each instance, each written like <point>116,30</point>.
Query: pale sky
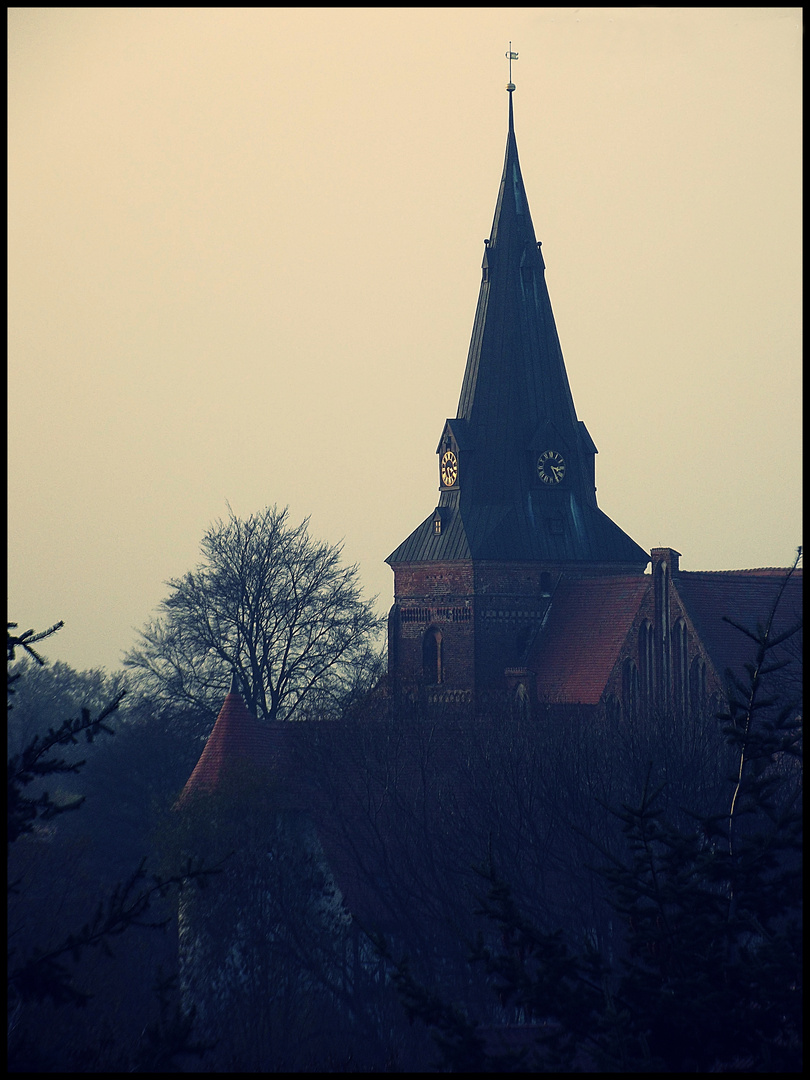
<point>244,258</point>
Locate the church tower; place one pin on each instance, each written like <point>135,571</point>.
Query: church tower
<point>517,505</point>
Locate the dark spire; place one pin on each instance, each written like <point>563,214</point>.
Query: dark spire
<point>515,379</point>
<point>516,405</point>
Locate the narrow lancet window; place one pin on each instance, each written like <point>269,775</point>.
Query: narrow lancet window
<point>697,687</point>
<point>645,663</point>
<point>432,656</point>
<point>630,689</point>
<point>680,673</point>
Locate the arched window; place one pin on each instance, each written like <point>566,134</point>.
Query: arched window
<point>680,668</point>
<point>630,689</point>
<point>717,703</point>
<point>645,664</point>
<point>521,701</point>
<point>697,687</point>
<point>662,628</point>
<point>613,709</point>
<point>432,656</point>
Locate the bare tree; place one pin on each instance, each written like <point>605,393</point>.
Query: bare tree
<point>275,605</point>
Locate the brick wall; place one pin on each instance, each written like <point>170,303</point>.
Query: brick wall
<point>486,614</point>
<point>436,595</point>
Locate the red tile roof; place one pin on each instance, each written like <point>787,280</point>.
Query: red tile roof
<point>236,740</point>
<point>590,618</point>
<point>587,624</point>
<point>321,768</point>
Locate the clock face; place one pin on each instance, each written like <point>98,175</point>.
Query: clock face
<point>448,469</point>
<point>551,467</point>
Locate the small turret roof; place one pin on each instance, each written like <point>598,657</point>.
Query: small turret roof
<point>237,740</point>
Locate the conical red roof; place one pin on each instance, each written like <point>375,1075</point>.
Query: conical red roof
<point>237,739</point>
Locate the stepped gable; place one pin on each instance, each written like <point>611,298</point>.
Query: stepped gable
<point>579,645</point>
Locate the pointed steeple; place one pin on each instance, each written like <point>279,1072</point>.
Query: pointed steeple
<point>515,380</point>
<point>516,464</point>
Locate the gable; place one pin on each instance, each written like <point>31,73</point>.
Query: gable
<point>744,596</point>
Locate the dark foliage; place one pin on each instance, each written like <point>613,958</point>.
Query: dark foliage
<point>39,757</point>
<point>705,973</point>
<point>49,965</point>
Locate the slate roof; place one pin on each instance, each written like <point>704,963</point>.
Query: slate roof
<point>515,377</point>
<point>496,531</point>
<point>578,647</point>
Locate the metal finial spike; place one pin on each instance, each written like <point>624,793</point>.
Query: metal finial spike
<point>510,56</point>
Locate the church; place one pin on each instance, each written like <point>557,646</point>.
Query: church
<point>515,596</point>
<point>517,582</point>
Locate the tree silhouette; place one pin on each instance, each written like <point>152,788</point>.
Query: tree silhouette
<point>272,604</point>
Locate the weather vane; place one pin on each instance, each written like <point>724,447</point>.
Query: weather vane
<point>510,56</point>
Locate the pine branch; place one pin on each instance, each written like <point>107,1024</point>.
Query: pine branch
<point>47,973</point>
<point>25,812</point>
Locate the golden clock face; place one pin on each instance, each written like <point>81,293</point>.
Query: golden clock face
<point>448,469</point>
<point>551,467</point>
